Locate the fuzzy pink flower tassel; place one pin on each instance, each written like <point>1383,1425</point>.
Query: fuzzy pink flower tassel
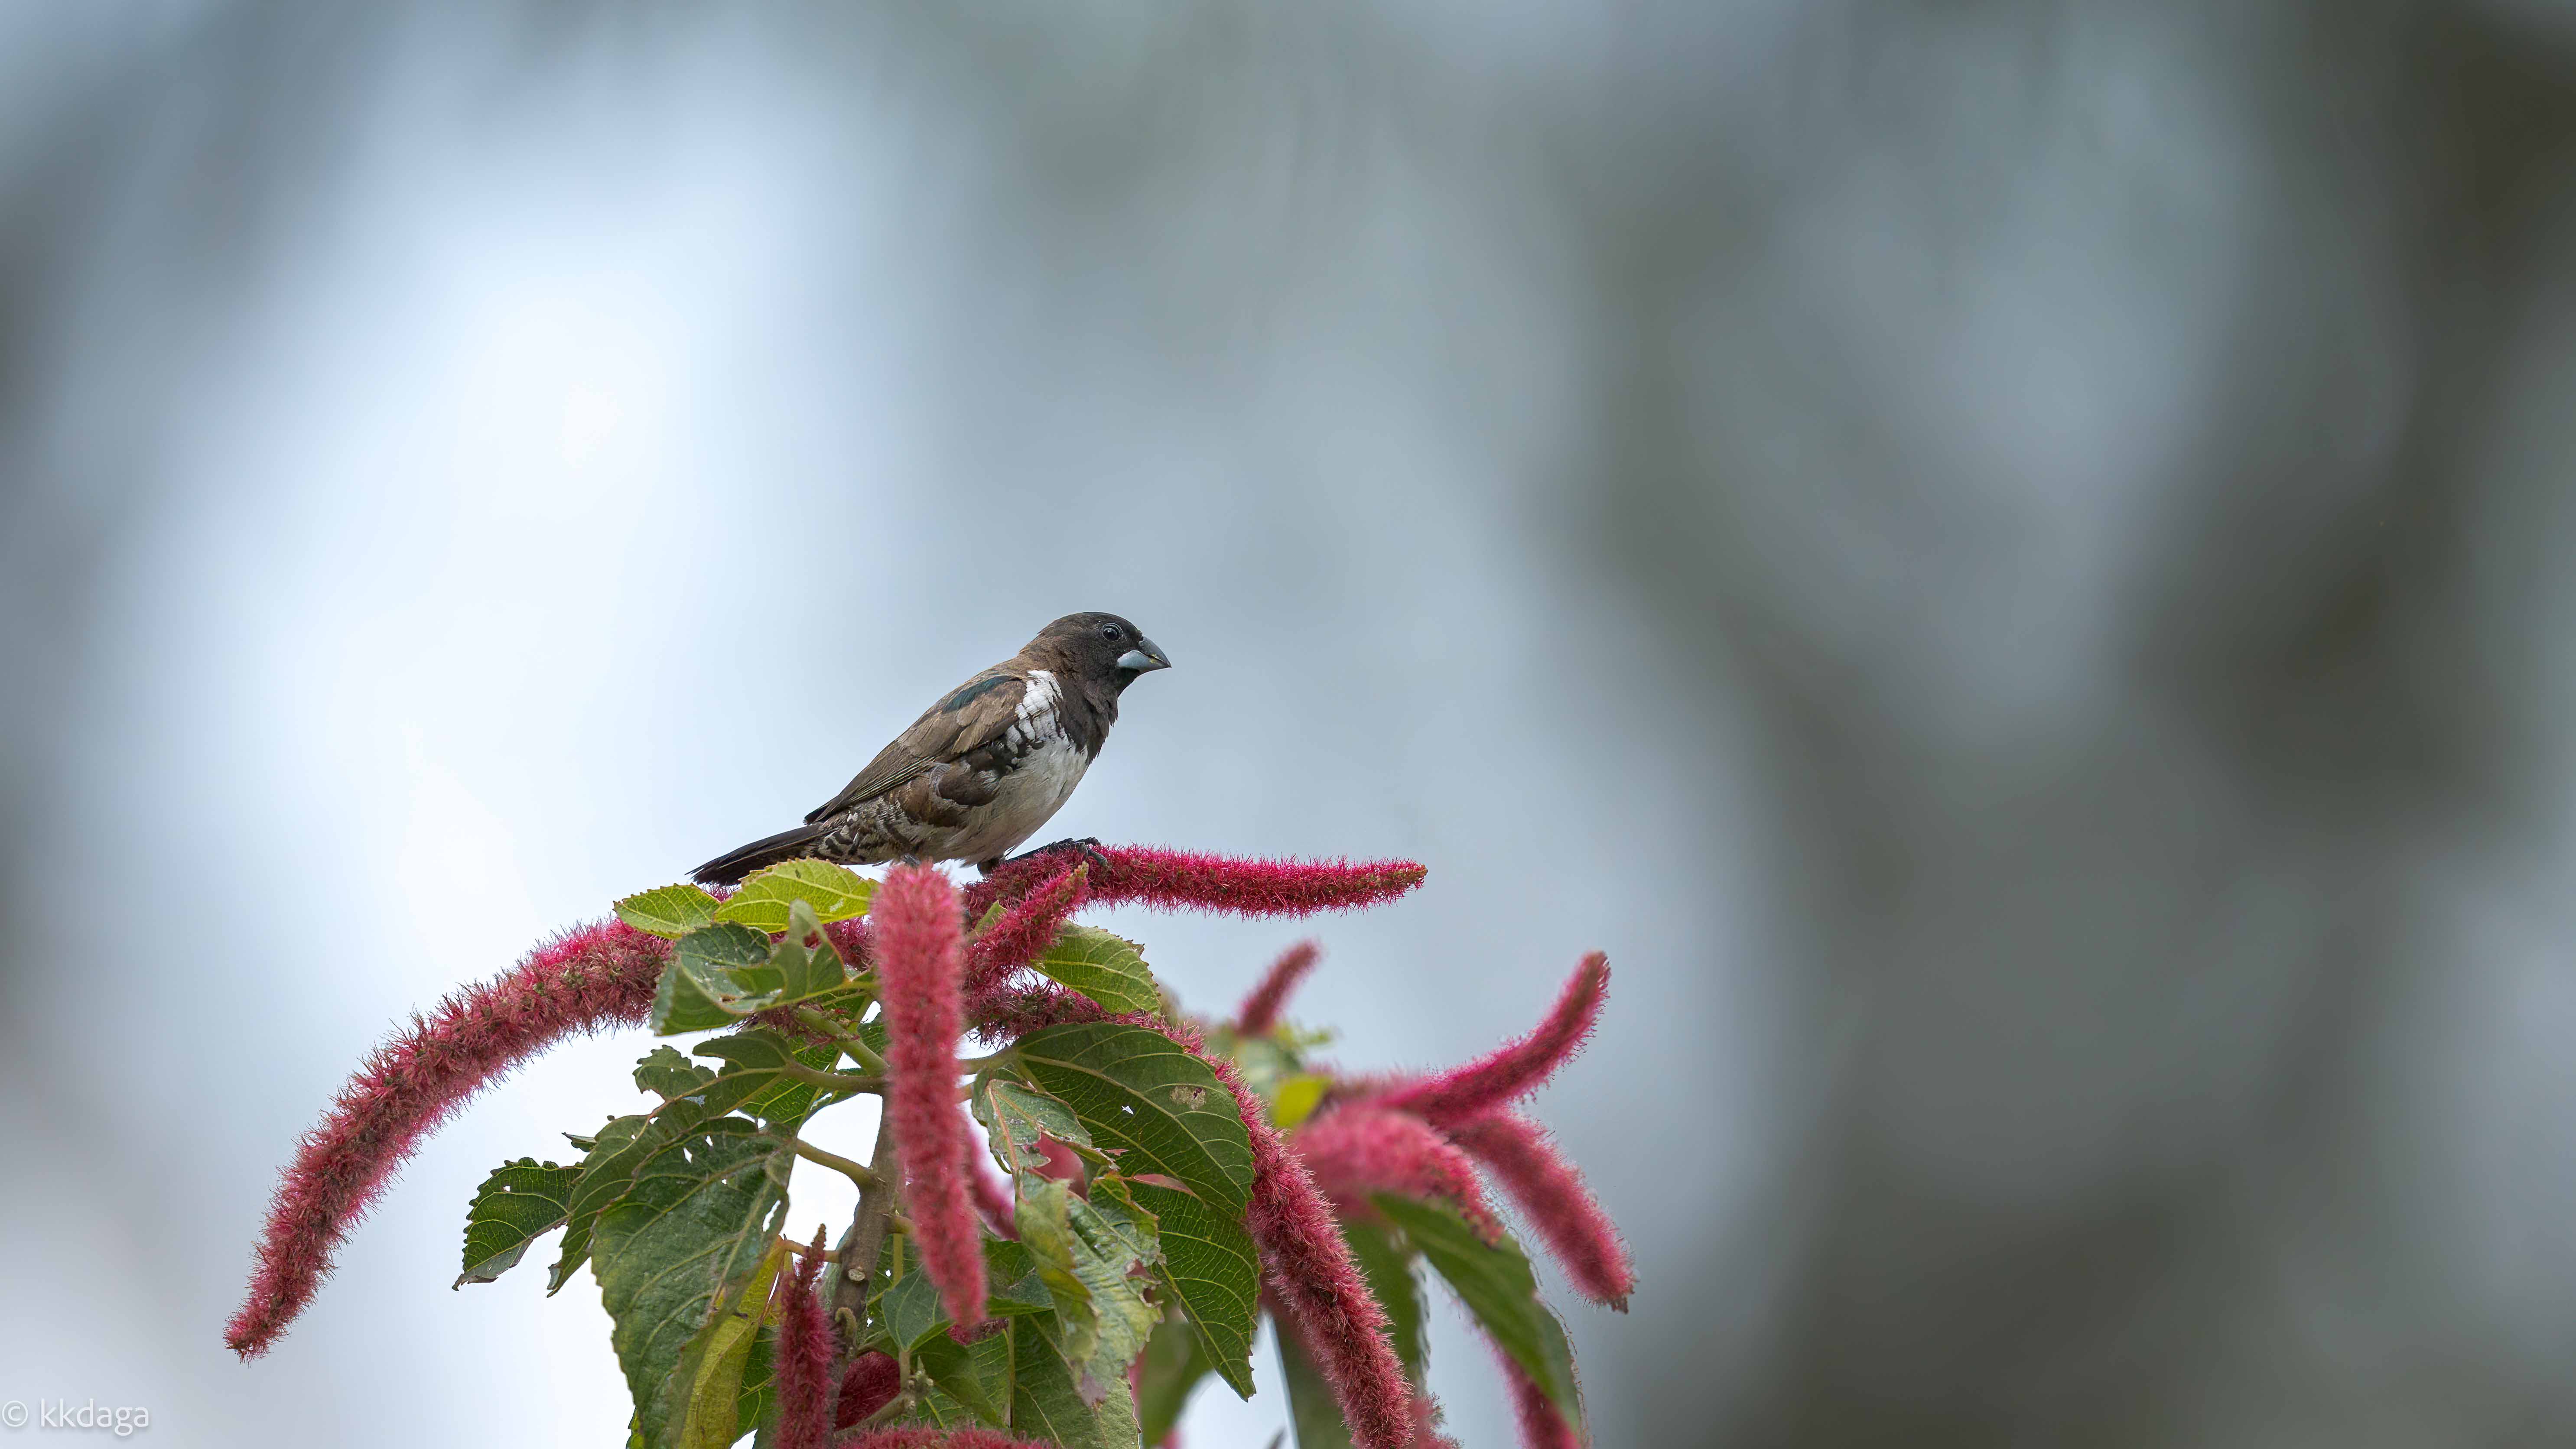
<point>1259,1014</point>
<point>1527,1164</point>
<point>1514,1069</point>
<point>1358,1150</point>
<point>1024,930</point>
<point>920,942</point>
<point>594,976</point>
<point>1311,1273</point>
<point>867,1385</point>
<point>1177,880</point>
<point>1424,1411</point>
<point>807,1381</point>
<point>1542,1426</point>
<point>1007,1013</point>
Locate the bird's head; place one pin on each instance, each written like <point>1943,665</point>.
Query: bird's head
<point>1103,647</point>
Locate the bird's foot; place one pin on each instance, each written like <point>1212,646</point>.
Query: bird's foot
<point>1089,845</point>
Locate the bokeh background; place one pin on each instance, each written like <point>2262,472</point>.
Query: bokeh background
<point>2007,560</point>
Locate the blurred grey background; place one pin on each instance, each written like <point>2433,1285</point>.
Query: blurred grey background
<point>2004,559</point>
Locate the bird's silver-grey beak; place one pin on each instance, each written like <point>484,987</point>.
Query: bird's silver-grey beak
<point>1144,658</point>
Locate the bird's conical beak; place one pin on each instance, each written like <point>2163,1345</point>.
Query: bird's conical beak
<point>1144,658</point>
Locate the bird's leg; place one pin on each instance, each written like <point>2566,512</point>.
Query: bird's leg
<point>1089,845</point>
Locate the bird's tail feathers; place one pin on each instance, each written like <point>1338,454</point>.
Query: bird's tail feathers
<point>730,867</point>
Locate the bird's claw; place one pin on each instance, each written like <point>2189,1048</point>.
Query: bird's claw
<point>1089,845</point>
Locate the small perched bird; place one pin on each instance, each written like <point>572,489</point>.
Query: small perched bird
<point>981,770</point>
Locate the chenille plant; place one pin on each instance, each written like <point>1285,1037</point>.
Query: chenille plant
<point>1056,1242</point>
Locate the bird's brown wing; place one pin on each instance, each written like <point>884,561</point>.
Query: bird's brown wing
<point>975,714</point>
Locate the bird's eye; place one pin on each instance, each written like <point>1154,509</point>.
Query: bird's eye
<point>1108,631</point>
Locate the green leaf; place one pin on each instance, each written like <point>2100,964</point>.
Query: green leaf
<point>1084,1252</point>
<point>1174,1364</point>
<point>520,1202</point>
<point>706,1388</point>
<point>807,963</point>
<point>1495,1282</point>
<point>751,1080</point>
<point>692,1225</point>
<point>909,1310</point>
<point>712,969</point>
<point>726,971</point>
<point>954,1368</point>
<point>1297,1099</point>
<point>1015,1287</point>
<point>1046,1404</point>
<point>907,1313</point>
<point>1312,1410</point>
<point>606,1172</point>
<point>755,1076</point>
<point>1211,1269</point>
<point>1144,1097</point>
<point>1109,969</point>
<point>667,1074</point>
<point>1388,1266</point>
<point>834,893</point>
<point>669,912</point>
<point>759,1391</point>
<point>1015,1115</point>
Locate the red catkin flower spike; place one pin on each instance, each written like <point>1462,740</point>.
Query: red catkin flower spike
<point>1527,1165</point>
<point>1311,1273</point>
<point>1259,1014</point>
<point>867,1385</point>
<point>1008,1013</point>
<point>1178,880</point>
<point>1542,1426</point>
<point>1515,1069</point>
<point>1358,1150</point>
<point>595,976</point>
<point>807,1376</point>
<point>1024,930</point>
<point>920,941</point>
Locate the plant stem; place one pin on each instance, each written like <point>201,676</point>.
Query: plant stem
<point>850,1082</point>
<point>866,1233</point>
<point>864,1177</point>
<point>849,1041</point>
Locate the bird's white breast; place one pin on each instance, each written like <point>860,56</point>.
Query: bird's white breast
<point>1048,766</point>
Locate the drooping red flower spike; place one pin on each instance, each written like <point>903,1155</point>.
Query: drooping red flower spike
<point>867,1385</point>
<point>920,943</point>
<point>807,1376</point>
<point>1177,880</point>
<point>1357,1150</point>
<point>1310,1272</point>
<point>1514,1069</point>
<point>594,976</point>
<point>1010,1012</point>
<point>1526,1164</point>
<point>1259,1014</point>
<point>1024,930</point>
<point>1426,1424</point>
<point>1424,1410</point>
<point>1541,1425</point>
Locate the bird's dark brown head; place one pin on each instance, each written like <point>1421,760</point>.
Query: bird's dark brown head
<point>1102,647</point>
